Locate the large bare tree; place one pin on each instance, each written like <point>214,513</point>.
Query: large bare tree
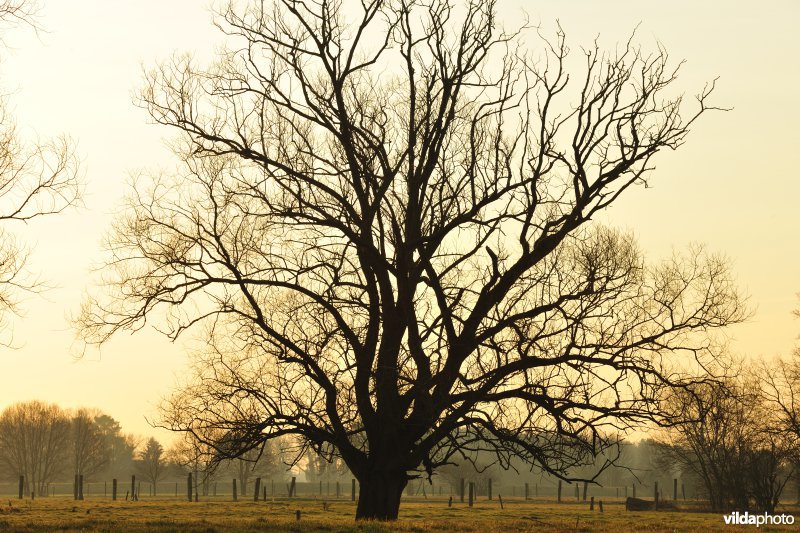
<point>383,222</point>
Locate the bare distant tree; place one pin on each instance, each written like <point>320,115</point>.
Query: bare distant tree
<point>258,462</point>
<point>151,463</point>
<point>89,447</point>
<point>384,222</point>
<point>193,455</point>
<point>727,437</point>
<point>477,471</point>
<point>780,385</point>
<point>36,179</point>
<point>34,439</point>
<point>321,468</point>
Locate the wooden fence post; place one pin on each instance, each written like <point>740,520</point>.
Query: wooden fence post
<point>675,489</point>
<point>591,504</point>
<point>257,491</point>
<point>235,497</point>
<point>293,488</point>
<point>471,492</point>
<point>655,495</point>
<point>353,491</point>
<point>490,488</point>
<point>585,488</point>
<point>21,486</point>
<point>133,488</point>
<point>559,491</point>
<point>526,491</point>
<point>114,489</point>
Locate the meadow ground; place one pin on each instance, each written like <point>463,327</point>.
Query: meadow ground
<point>172,515</point>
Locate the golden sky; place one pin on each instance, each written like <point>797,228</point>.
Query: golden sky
<point>733,186</point>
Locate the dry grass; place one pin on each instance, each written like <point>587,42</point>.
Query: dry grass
<point>170,515</point>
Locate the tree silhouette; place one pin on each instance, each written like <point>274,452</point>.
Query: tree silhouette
<point>195,457</point>
<point>89,449</point>
<point>730,437</point>
<point>383,223</point>
<point>34,443</point>
<point>120,447</point>
<point>151,463</point>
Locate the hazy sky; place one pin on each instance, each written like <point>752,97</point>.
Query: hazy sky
<point>733,186</point>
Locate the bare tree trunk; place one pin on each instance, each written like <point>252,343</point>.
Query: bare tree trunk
<point>379,495</point>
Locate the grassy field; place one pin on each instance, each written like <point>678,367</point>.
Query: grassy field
<point>170,515</point>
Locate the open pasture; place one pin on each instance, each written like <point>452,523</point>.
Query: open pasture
<point>218,515</point>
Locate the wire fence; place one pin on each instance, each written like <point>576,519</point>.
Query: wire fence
<point>228,489</point>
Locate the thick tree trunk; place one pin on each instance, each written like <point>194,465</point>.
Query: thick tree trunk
<point>379,495</point>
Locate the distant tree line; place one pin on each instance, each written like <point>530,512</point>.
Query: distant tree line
<point>45,444</point>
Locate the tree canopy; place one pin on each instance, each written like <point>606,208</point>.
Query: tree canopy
<point>383,227</point>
